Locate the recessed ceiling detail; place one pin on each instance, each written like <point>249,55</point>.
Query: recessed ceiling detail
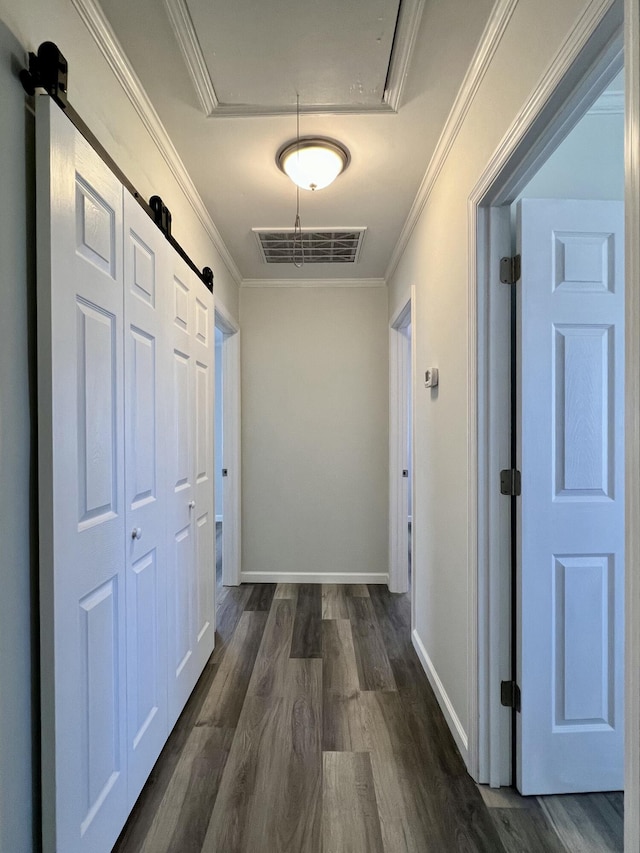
<point>327,246</point>
<point>312,51</point>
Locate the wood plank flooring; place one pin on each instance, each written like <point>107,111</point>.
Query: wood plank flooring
<point>313,729</point>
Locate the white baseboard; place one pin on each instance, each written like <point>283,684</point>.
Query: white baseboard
<point>301,577</point>
<point>457,730</point>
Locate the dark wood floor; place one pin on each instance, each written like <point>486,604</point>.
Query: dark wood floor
<point>314,730</point>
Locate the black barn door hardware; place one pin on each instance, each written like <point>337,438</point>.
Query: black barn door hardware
<point>48,70</point>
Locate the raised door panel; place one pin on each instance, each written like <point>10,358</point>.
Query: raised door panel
<point>583,412</point>
<point>99,698</point>
<point>142,449</point>
<point>182,602</point>
<point>146,698</point>
<point>205,581</point>
<point>182,424</point>
<point>96,415</point>
<point>145,305</point>
<point>584,643</point>
<point>81,459</point>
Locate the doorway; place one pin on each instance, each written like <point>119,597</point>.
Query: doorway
<point>401,502</point>
<point>592,70</point>
<point>227,448</point>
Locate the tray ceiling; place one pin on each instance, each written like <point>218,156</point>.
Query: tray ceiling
<point>231,158</point>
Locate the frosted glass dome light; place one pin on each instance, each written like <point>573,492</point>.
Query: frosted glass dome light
<point>313,162</point>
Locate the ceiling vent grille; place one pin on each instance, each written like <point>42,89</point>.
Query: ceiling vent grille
<point>326,246</point>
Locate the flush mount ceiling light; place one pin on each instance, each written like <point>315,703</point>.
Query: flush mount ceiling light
<point>313,162</point>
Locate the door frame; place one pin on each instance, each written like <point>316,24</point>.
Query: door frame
<point>232,485</point>
<point>632,426</point>
<point>401,413</point>
<point>588,60</point>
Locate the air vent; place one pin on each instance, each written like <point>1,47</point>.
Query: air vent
<point>330,246</point>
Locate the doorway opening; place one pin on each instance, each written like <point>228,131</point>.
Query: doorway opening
<point>401,372</point>
<point>569,570</point>
<point>219,456</point>
<point>227,448</point>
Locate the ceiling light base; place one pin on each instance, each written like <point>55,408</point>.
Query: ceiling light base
<point>313,162</point>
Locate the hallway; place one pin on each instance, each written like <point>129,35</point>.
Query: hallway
<point>314,730</point>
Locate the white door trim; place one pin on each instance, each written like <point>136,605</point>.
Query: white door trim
<point>589,58</point>
<point>491,586</point>
<point>632,427</point>
<point>232,484</point>
<point>400,370</point>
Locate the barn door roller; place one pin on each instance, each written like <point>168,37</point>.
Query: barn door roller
<point>49,70</point>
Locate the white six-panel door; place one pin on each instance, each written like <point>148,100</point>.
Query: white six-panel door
<point>125,356</point>
<point>571,512</point>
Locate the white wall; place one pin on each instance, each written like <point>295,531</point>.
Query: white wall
<point>315,431</point>
<point>588,164</point>
<point>436,262</point>
<point>99,99</point>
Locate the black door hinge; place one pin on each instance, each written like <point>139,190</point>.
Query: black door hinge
<point>510,270</point>
<point>510,695</point>
<point>510,482</point>
<point>225,472</point>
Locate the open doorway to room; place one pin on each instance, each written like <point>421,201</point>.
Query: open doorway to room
<point>568,226</point>
<point>551,548</point>
<point>227,448</point>
<point>401,373</point>
<point>219,456</point>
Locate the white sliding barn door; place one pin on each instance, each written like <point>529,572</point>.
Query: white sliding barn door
<point>82,505</point>
<point>191,527</point>
<point>571,512</point>
<point>146,292</point>
<point>125,407</point>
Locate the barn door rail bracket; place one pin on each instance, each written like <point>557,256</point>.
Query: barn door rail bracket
<point>48,69</point>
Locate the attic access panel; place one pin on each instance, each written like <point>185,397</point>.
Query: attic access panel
<point>327,246</point>
<point>260,54</point>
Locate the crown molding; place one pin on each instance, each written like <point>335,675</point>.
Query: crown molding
<point>491,38</point>
<point>409,17</point>
<point>102,33</point>
<point>313,282</point>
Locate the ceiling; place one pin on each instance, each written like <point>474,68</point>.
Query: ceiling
<point>379,75</point>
